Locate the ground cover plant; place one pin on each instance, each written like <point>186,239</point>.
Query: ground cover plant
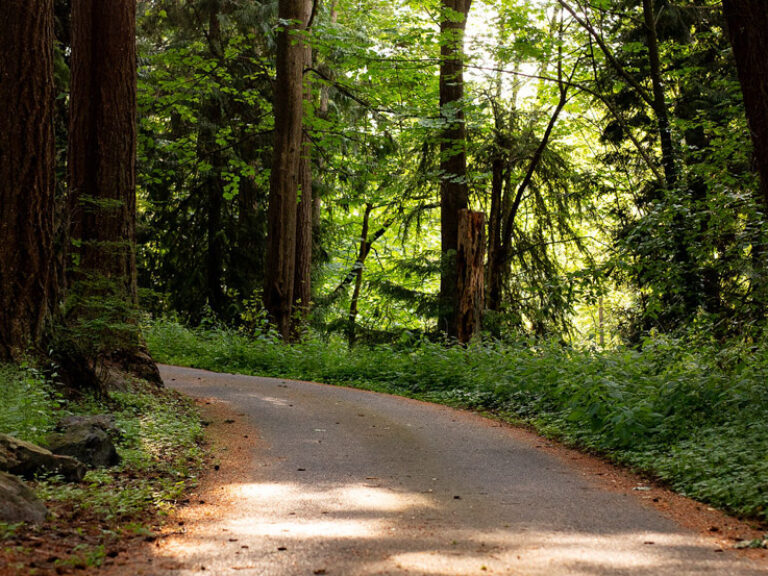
<point>91,522</point>
<point>691,416</point>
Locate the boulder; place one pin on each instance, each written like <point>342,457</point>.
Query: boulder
<point>18,503</point>
<point>28,460</point>
<point>87,438</point>
<point>105,422</point>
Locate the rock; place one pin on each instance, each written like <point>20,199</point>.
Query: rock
<point>88,439</point>
<point>105,422</point>
<point>28,460</point>
<point>137,363</point>
<point>18,503</point>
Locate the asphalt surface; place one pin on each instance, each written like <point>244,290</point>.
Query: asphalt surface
<point>346,482</point>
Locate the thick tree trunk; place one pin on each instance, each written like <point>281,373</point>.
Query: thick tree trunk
<point>102,179</point>
<point>470,266</point>
<point>302,289</point>
<point>453,156</point>
<point>747,26</point>
<point>281,236</point>
<point>27,278</point>
<point>102,143</point>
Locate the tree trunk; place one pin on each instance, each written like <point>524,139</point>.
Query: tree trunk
<point>495,263</point>
<point>498,261</point>
<point>288,109</point>
<point>469,259</point>
<point>302,289</point>
<point>659,98</point>
<point>208,152</point>
<point>365,248</point>
<point>453,156</point>
<point>102,180</point>
<point>690,292</point>
<point>747,24</point>
<point>27,279</point>
<point>102,143</point>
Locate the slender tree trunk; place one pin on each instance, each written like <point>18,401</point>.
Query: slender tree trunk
<point>359,263</point>
<point>209,152</point>
<point>281,236</point>
<point>302,290</point>
<point>498,261</point>
<point>453,157</point>
<point>27,275</point>
<point>690,292</point>
<point>660,108</point>
<point>747,26</point>
<point>495,269</point>
<point>365,248</point>
<point>249,251</point>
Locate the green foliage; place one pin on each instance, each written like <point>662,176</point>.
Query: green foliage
<point>690,413</point>
<point>28,403</point>
<point>161,454</point>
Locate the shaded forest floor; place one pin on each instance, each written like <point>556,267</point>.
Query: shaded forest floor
<point>94,522</point>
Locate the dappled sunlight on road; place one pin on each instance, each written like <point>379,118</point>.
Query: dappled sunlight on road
<point>346,483</point>
<point>359,529</point>
<point>352,497</point>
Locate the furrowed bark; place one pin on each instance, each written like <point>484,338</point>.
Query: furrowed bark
<point>288,109</point>
<point>302,288</point>
<point>27,276</point>
<point>747,26</point>
<point>102,142</point>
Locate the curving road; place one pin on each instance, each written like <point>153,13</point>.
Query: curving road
<point>346,482</point>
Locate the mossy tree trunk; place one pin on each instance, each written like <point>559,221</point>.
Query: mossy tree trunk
<point>302,290</point>
<point>102,180</point>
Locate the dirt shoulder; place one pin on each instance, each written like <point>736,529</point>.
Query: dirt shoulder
<point>231,442</point>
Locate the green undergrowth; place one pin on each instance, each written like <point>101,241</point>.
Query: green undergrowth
<point>694,417</point>
<point>160,435</point>
<point>159,442</point>
<point>28,404</point>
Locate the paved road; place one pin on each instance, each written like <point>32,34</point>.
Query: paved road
<point>352,483</point>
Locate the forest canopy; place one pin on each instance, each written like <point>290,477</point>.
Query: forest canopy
<point>612,160</point>
<point>591,171</point>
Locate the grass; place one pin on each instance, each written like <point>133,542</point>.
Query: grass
<point>160,445</point>
<point>693,417</point>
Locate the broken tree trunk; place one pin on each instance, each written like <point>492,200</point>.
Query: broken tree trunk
<point>470,254</point>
